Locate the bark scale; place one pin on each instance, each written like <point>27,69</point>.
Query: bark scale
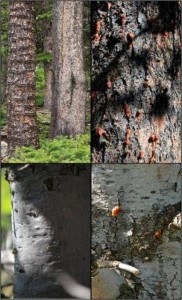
<point>21,110</point>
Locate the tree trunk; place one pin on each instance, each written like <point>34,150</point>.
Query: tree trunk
<point>69,91</point>
<point>140,234</point>
<point>47,42</point>
<point>51,228</point>
<point>4,48</point>
<point>21,111</point>
<point>136,81</point>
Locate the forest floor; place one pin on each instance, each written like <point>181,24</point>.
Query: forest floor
<point>61,149</point>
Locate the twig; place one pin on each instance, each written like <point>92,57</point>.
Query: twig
<point>119,265</point>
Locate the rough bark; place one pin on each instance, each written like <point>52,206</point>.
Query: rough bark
<point>51,227</point>
<point>140,235</point>
<point>21,111</point>
<point>69,92</point>
<point>136,81</point>
<point>47,43</point>
<point>4,47</point>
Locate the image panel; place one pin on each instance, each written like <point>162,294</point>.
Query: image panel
<point>45,249</point>
<point>135,86</point>
<point>45,82</point>
<point>136,231</point>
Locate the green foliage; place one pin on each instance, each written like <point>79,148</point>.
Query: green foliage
<point>43,123</point>
<point>45,16</point>
<point>5,201</point>
<point>40,83</point>
<point>4,29</point>
<point>3,114</point>
<point>44,57</point>
<point>62,149</point>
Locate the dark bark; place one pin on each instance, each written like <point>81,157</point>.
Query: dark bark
<point>51,227</point>
<point>69,91</point>
<point>136,81</point>
<point>21,111</point>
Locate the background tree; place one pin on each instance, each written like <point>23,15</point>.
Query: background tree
<point>141,235</point>
<point>136,81</point>
<point>51,228</point>
<point>44,47</point>
<point>69,90</point>
<point>21,111</point>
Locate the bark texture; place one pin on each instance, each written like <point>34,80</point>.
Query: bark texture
<point>51,227</point>
<point>21,111</point>
<point>136,60</point>
<point>69,91</point>
<point>139,236</point>
<point>47,42</point>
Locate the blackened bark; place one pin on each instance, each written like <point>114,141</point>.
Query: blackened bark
<point>21,111</point>
<point>51,227</point>
<point>136,81</point>
<point>69,91</point>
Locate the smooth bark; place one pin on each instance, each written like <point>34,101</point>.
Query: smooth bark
<point>51,228</point>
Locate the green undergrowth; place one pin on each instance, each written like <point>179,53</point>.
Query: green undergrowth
<point>40,84</point>
<point>60,150</point>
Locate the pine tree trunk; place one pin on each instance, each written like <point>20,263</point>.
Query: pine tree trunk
<point>69,91</point>
<point>47,42</point>
<point>136,81</point>
<point>21,110</point>
<point>51,227</point>
<point>139,235</point>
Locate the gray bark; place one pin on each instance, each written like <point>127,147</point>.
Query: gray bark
<point>140,235</point>
<point>51,228</point>
<point>136,59</point>
<point>69,91</point>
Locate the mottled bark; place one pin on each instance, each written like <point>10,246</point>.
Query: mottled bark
<point>21,111</point>
<point>136,81</point>
<point>51,227</point>
<point>69,91</point>
<point>140,234</point>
